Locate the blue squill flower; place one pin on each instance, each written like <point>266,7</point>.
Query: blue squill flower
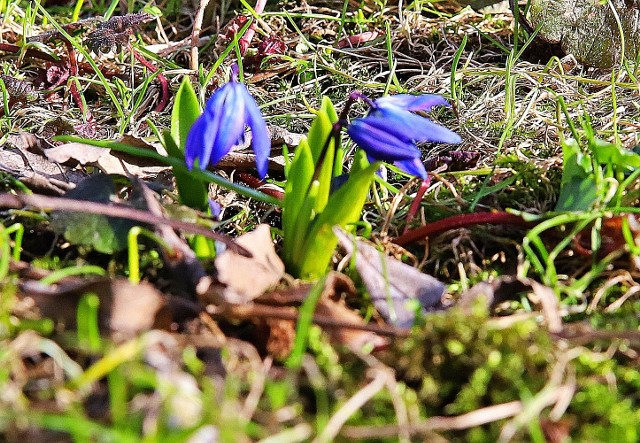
<point>391,130</point>
<point>221,127</point>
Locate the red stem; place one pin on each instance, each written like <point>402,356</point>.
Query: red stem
<point>33,53</point>
<point>73,88</point>
<point>256,183</point>
<point>164,84</point>
<point>460,221</point>
<point>245,41</point>
<point>415,204</point>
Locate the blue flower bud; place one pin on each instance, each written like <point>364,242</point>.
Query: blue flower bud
<point>221,127</point>
<point>391,131</point>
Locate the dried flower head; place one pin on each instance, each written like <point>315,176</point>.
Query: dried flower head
<point>18,90</point>
<point>114,33</point>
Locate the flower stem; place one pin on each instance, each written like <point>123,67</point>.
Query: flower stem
<point>164,84</point>
<point>460,221</point>
<point>415,204</point>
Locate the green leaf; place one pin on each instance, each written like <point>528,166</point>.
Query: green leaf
<point>323,149</point>
<point>360,162</point>
<point>102,233</point>
<point>298,181</point>
<point>305,321</point>
<point>578,186</point>
<point>193,192</point>
<point>612,154</point>
<point>297,237</point>
<point>186,110</point>
<point>344,207</point>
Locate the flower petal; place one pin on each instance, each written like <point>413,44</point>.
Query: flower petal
<point>410,126</point>
<point>420,129</point>
<point>202,136</point>
<point>414,167</point>
<point>380,139</point>
<point>410,102</point>
<point>260,138</point>
<point>199,143</point>
<point>232,120</point>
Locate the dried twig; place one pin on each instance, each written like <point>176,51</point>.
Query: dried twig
<point>46,203</point>
<point>195,34</point>
<point>343,414</point>
<point>472,419</point>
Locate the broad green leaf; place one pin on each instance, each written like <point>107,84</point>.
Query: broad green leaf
<point>329,109</point>
<point>297,187</point>
<point>578,186</point>
<point>294,251</point>
<point>193,192</point>
<point>360,162</point>
<point>170,145</point>
<point>102,233</point>
<point>344,207</point>
<point>186,110</point>
<point>323,149</point>
<point>611,154</point>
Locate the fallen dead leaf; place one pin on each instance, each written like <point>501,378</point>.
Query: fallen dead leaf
<point>78,152</point>
<point>241,279</point>
<point>125,309</point>
<point>391,283</point>
<point>110,162</point>
<point>18,159</point>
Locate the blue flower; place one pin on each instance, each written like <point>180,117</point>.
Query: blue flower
<point>391,130</point>
<point>221,127</point>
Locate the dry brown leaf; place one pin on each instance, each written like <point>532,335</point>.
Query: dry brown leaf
<point>125,308</point>
<point>335,287</point>
<point>241,279</point>
<point>17,159</point>
<point>110,162</point>
<point>78,152</point>
<point>354,339</point>
<point>391,283</point>
<point>282,334</point>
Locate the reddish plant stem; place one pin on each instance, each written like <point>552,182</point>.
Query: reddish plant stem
<point>73,88</point>
<point>164,84</point>
<point>460,221</point>
<point>415,204</point>
<point>245,41</point>
<point>256,183</point>
<point>33,53</point>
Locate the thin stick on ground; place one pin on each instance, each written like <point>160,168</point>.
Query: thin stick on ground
<point>469,420</point>
<point>356,402</point>
<point>46,203</point>
<point>195,34</point>
<point>164,84</point>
